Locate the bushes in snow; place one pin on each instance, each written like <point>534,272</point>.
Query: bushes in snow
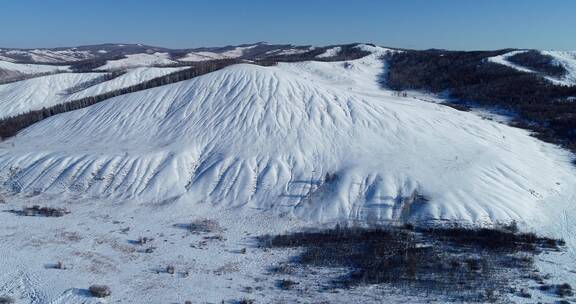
<point>464,264</point>
<point>43,211</point>
<point>100,291</point>
<point>286,284</point>
<point>171,269</point>
<point>564,290</point>
<point>7,300</point>
<point>204,226</point>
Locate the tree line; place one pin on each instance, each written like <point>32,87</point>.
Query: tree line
<point>10,126</point>
<point>542,106</point>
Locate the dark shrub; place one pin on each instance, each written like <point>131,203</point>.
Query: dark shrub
<point>43,211</point>
<point>464,263</point>
<point>100,291</point>
<point>286,284</point>
<point>564,290</point>
<point>7,300</point>
<point>204,226</point>
<point>170,269</point>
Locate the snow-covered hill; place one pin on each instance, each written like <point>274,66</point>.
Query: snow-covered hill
<point>568,61</point>
<point>565,59</point>
<point>10,71</point>
<point>45,91</point>
<point>266,137</point>
<point>137,60</point>
<point>257,150</point>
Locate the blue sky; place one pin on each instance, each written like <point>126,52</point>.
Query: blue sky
<point>420,24</point>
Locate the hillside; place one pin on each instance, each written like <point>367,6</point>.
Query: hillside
<point>167,175</point>
<point>268,136</point>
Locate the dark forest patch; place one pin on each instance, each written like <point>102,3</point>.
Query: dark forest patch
<point>542,106</point>
<point>461,264</point>
<point>538,62</point>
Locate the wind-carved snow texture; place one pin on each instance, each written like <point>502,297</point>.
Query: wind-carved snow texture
<point>268,138</point>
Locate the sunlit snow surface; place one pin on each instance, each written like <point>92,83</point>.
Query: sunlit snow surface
<point>250,147</point>
<point>45,91</point>
<point>265,137</point>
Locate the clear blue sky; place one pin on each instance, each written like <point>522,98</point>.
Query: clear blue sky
<point>420,24</point>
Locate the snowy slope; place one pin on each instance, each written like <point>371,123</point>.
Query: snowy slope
<point>36,93</point>
<point>330,52</point>
<point>131,77</point>
<point>249,147</point>
<point>290,51</point>
<point>137,60</point>
<point>563,58</point>
<point>202,56</point>
<point>265,137</point>
<point>503,60</point>
<point>3,58</point>
<point>568,61</point>
<point>30,68</point>
<point>52,56</point>
<point>205,55</point>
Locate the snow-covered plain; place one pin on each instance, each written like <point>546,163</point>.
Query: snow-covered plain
<point>249,147</point>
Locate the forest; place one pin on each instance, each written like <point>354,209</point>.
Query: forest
<point>470,78</point>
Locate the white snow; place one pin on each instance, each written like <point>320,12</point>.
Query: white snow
<point>137,60</point>
<point>331,52</point>
<point>204,56</point>
<point>376,50</point>
<point>131,77</point>
<point>52,56</point>
<point>31,68</point>
<point>238,51</point>
<point>292,51</point>
<point>249,146</point>
<point>36,93</point>
<point>246,135</point>
<point>568,61</point>
<point>3,58</point>
<point>503,60</point>
<point>563,58</point>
